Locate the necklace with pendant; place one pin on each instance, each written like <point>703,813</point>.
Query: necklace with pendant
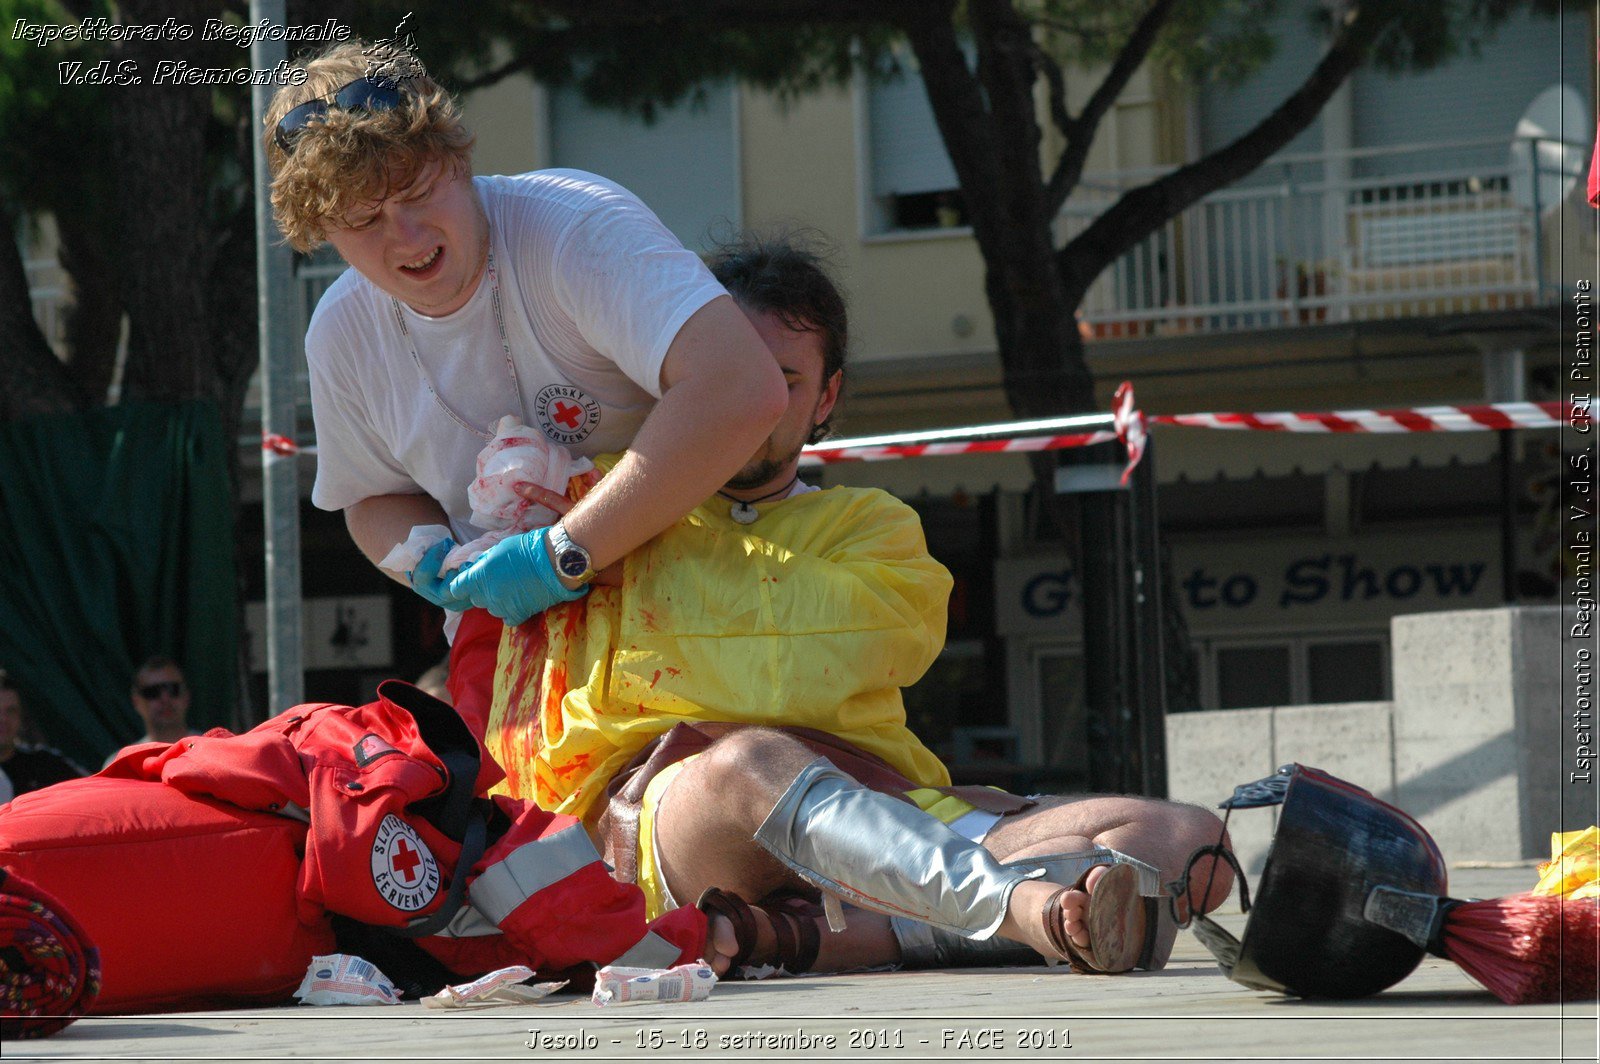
<point>505,346</point>
<point>744,510</point>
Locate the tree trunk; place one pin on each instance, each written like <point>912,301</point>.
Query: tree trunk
<point>32,379</point>
<point>166,236</point>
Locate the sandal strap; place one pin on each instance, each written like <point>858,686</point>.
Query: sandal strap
<point>794,928</point>
<point>1150,952</point>
<point>715,902</point>
<point>1055,930</point>
<point>799,941</point>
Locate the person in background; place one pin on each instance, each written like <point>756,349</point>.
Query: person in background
<point>161,698</point>
<point>25,768</point>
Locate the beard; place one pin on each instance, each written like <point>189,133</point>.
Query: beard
<point>763,471</point>
<point>758,473</point>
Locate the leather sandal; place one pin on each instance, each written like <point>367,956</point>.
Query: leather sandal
<point>1126,930</point>
<point>793,926</point>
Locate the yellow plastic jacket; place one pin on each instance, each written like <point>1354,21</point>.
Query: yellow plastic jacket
<point>815,615</point>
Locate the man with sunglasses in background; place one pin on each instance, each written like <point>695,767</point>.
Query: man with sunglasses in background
<point>555,296</point>
<point>161,698</point>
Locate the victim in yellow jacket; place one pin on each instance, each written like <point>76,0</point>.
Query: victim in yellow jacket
<point>815,615</point>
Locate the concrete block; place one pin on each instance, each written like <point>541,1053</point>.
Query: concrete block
<point>1354,741</point>
<point>1469,802</point>
<point>1451,647</point>
<point>1478,743</point>
<point>1211,753</point>
<point>1476,706</point>
<point>1452,676</point>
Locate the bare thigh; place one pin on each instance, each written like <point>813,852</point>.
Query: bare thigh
<point>706,822</point>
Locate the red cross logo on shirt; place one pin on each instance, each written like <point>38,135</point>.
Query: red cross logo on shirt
<point>405,861</point>
<point>565,413</point>
<point>404,871</point>
<point>570,416</point>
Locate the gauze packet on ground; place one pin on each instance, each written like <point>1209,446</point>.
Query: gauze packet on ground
<point>341,979</point>
<point>507,986</point>
<point>638,986</point>
<point>517,455</point>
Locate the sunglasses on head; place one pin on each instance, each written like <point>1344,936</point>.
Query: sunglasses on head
<point>171,688</point>
<point>363,94</point>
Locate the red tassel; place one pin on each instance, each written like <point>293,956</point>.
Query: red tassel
<point>1528,948</point>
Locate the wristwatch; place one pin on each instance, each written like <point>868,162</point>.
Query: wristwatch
<point>572,564</point>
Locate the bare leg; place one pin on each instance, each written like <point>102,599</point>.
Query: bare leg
<point>1161,833</point>
<point>705,828</point>
<point>707,820</point>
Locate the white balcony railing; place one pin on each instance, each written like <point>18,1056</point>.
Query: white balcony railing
<point>1349,236</point>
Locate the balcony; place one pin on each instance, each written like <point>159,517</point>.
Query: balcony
<point>1371,234</point>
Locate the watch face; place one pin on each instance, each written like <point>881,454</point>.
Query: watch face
<point>572,563</point>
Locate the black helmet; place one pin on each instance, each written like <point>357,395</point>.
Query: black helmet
<point>1307,933</point>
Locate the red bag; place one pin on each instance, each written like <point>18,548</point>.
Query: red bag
<point>193,867</point>
<point>126,856</point>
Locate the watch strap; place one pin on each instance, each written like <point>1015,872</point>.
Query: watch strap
<point>565,556</point>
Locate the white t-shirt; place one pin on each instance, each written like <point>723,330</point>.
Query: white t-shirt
<point>593,288</point>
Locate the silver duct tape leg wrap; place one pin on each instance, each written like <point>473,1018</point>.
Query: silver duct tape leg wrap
<point>922,946</point>
<point>886,855</point>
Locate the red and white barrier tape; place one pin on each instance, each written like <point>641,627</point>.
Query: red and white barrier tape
<point>1483,416</point>
<point>1130,424</point>
<point>1131,427</point>
<point>853,451</point>
<point>274,445</point>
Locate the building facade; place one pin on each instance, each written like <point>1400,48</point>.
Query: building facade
<point>1410,248</point>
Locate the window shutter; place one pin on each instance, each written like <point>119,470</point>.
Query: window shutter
<point>684,165</point>
<point>1228,112</point>
<point>908,155</point>
<point>1470,97</point>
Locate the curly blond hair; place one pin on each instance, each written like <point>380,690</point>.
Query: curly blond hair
<point>348,159</point>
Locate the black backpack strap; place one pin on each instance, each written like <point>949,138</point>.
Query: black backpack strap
<point>457,812</point>
<point>452,742</point>
<point>472,848</point>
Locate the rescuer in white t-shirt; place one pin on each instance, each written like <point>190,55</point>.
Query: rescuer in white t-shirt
<point>556,296</point>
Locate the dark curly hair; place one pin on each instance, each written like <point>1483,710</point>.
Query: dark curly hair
<point>787,275</point>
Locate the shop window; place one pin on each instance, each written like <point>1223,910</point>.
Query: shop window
<point>946,696</point>
<point>1346,671</point>
<point>1308,670</point>
<point>1062,716</point>
<point>1254,676</point>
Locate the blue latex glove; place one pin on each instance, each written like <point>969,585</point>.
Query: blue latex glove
<point>514,579</point>
<point>426,581</point>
